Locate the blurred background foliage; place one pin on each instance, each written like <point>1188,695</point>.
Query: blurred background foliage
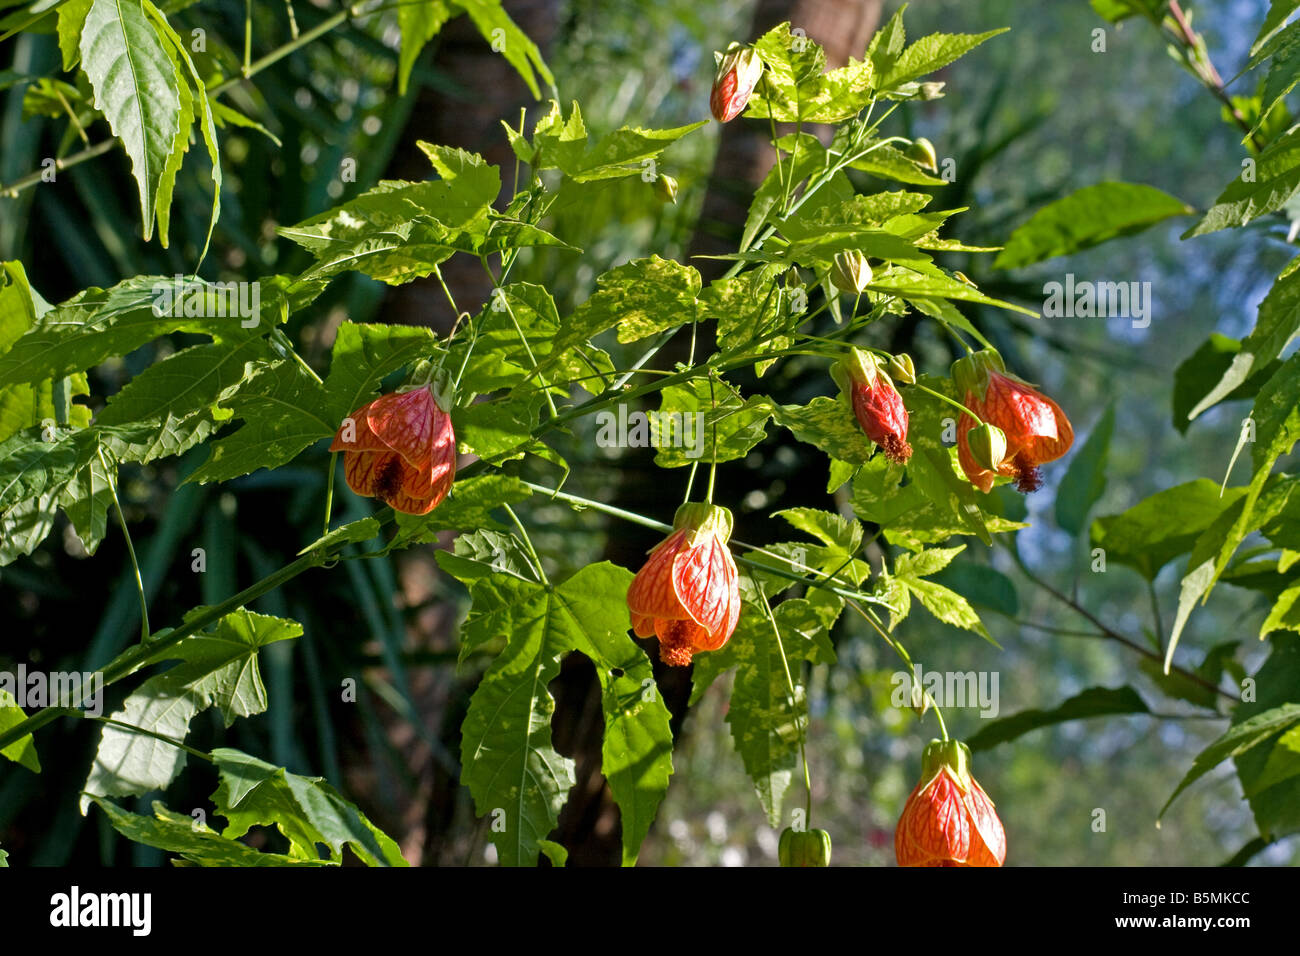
<point>1031,116</point>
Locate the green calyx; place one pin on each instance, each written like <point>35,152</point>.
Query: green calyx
<point>439,380</point>
<point>804,848</point>
<point>858,367</point>
<point>971,373</point>
<point>701,518</point>
<point>952,754</point>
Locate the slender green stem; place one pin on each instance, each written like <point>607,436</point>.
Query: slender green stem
<point>280,52</point>
<point>130,548</point>
<point>943,728</point>
<point>329,491</point>
<point>293,18</point>
<point>906,659</point>
<point>794,157</point>
<point>278,336</point>
<point>953,402</point>
<point>1155,613</point>
<point>690,481</point>
<point>248,35</point>
<point>455,325</point>
<point>72,115</point>
<point>523,339</point>
<point>528,543</point>
<point>142,655</point>
<point>76,159</point>
<point>713,464</point>
<point>794,706</point>
<point>960,341</point>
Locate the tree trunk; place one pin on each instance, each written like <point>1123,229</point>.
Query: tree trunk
<point>589,824</point>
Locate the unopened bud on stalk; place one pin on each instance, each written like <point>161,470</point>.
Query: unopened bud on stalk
<point>902,369</point>
<point>733,84</point>
<point>666,189</point>
<point>922,153</point>
<point>850,271</point>
<point>988,445</point>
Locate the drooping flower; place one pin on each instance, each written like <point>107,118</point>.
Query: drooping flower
<point>401,449</point>
<point>733,84</point>
<point>949,820</point>
<point>1034,427</point>
<point>877,405</point>
<point>687,593</point>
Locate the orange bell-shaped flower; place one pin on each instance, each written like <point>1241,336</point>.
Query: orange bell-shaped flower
<point>949,820</point>
<point>401,449</point>
<point>687,594</point>
<point>1035,428</point>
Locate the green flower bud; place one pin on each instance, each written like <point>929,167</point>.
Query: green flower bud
<point>902,369</point>
<point>922,153</point>
<point>850,271</point>
<point>920,699</point>
<point>858,367</point>
<point>804,848</point>
<point>988,445</point>
<point>952,754</point>
<point>666,189</point>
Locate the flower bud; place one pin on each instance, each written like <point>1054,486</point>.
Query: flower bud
<point>666,188</point>
<point>850,271</point>
<point>875,401</point>
<point>804,848</point>
<point>988,445</point>
<point>920,699</point>
<point>902,369</point>
<point>922,153</point>
<point>733,84</point>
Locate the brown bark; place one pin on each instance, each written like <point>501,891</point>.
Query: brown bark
<point>589,823</point>
<point>487,90</point>
<point>745,154</point>
<point>481,89</point>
